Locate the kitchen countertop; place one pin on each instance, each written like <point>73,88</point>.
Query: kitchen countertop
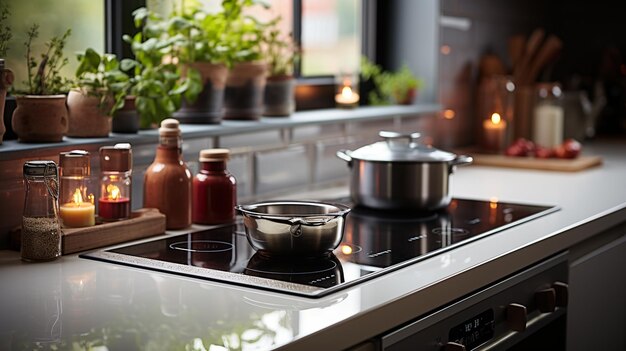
<point>83,302</point>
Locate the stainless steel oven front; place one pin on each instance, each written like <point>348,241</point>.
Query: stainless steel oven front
<point>525,311</point>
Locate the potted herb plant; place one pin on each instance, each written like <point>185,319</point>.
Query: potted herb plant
<point>245,86</point>
<point>398,87</point>
<point>6,75</point>
<point>100,90</point>
<point>156,82</point>
<point>280,53</point>
<point>41,114</point>
<point>202,52</point>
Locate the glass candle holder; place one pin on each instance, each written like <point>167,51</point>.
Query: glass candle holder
<point>347,92</point>
<point>115,182</point>
<point>76,199</point>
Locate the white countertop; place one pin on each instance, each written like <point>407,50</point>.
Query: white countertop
<point>73,300</point>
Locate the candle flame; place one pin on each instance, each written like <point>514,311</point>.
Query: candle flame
<point>346,249</point>
<point>346,92</point>
<point>495,118</point>
<point>77,198</point>
<point>113,192</point>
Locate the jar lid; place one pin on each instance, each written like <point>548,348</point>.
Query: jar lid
<point>75,163</point>
<point>40,168</point>
<point>399,147</point>
<point>169,127</point>
<point>117,158</point>
<point>214,155</point>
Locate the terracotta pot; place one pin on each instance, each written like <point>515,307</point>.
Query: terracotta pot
<point>408,98</point>
<point>86,118</point>
<point>245,86</point>
<point>6,79</point>
<point>279,98</point>
<point>126,119</point>
<point>209,106</point>
<point>40,118</point>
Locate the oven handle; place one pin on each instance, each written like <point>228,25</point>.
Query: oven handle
<point>539,321</point>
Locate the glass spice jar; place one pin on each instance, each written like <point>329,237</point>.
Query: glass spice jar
<point>214,189</point>
<point>41,230</point>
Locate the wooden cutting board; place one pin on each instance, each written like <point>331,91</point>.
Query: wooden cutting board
<point>551,164</point>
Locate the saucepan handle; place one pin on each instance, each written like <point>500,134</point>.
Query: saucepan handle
<point>345,155</point>
<point>461,160</point>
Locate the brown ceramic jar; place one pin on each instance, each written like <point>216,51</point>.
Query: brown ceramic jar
<point>168,181</point>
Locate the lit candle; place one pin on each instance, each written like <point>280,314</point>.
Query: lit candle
<point>113,206</point>
<point>76,214</point>
<point>494,133</point>
<point>347,97</point>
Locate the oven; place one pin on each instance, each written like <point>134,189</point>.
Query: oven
<point>525,311</point>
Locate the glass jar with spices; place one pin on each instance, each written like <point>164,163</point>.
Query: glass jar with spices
<point>214,189</point>
<point>116,164</point>
<point>41,230</point>
<point>548,115</point>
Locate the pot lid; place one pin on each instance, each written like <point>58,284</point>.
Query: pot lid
<point>398,147</point>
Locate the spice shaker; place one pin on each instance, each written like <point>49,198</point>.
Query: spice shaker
<point>214,189</point>
<point>168,181</point>
<point>116,164</point>
<point>41,230</point>
<point>77,207</point>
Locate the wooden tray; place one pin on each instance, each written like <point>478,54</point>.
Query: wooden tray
<point>144,223</point>
<point>549,164</point>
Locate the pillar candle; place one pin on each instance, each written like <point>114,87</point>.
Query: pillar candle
<point>494,133</point>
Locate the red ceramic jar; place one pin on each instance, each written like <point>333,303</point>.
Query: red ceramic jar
<point>214,189</point>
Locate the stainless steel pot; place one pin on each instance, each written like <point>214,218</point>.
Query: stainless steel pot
<point>400,173</point>
<point>296,228</point>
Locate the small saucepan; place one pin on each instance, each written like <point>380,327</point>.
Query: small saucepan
<point>294,228</point>
<point>399,173</point>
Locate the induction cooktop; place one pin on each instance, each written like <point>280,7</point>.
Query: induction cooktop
<point>374,243</point>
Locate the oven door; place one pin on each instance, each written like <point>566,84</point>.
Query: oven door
<point>525,311</point>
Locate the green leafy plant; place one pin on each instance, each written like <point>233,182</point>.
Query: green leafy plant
<point>44,77</point>
<point>104,77</point>
<point>390,87</point>
<point>281,52</point>
<point>246,34</point>
<point>156,81</point>
<point>5,30</point>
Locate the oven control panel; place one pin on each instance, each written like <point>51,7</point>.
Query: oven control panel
<point>495,317</point>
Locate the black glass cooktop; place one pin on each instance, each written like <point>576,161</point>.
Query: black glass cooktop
<point>374,243</point>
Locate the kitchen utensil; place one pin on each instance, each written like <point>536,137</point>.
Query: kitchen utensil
<point>515,46</point>
<point>295,228</point>
<point>548,52</point>
<point>534,41</point>
<point>400,173</point>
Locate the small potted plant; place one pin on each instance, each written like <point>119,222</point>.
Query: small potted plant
<point>201,50</point>
<point>41,114</point>
<point>156,81</point>
<point>245,86</point>
<point>6,75</point>
<point>281,53</point>
<point>398,87</point>
<point>100,90</point>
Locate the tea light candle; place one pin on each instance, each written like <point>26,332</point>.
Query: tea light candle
<point>113,206</point>
<point>77,213</point>
<point>346,96</point>
<point>494,133</point>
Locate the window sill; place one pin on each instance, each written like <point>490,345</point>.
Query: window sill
<point>12,149</point>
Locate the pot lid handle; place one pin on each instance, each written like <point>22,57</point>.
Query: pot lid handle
<point>397,140</point>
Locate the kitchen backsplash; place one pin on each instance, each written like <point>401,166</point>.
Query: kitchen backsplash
<point>266,163</point>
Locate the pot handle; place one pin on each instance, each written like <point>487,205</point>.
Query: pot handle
<point>345,155</point>
<point>461,160</point>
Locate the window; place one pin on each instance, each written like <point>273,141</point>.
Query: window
<point>84,17</point>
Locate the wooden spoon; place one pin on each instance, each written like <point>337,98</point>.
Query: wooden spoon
<point>521,76</point>
<point>548,52</point>
<point>516,45</point>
